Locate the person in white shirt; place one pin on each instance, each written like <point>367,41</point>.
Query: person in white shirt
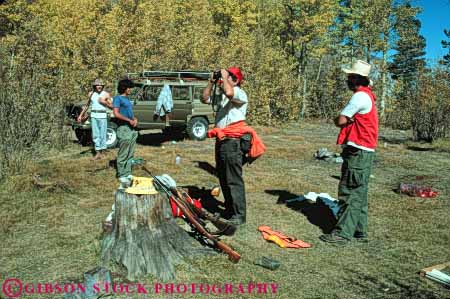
<point>358,123</point>
<point>231,114</point>
<point>99,101</point>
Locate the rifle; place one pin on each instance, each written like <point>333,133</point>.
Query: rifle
<point>193,219</point>
<point>224,228</point>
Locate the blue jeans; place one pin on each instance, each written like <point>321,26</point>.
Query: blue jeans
<point>99,126</point>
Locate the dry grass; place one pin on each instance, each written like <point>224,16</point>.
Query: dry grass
<point>53,234</point>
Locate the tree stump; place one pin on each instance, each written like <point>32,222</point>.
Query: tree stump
<point>145,238</point>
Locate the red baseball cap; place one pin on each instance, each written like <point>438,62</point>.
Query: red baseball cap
<point>235,71</point>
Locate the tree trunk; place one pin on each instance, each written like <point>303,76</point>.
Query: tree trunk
<point>384,78</point>
<point>146,238</point>
<point>319,69</point>
<point>304,98</point>
<point>383,88</point>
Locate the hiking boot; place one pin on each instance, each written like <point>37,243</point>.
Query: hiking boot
<point>360,237</point>
<point>362,240</point>
<point>333,238</point>
<point>107,226</point>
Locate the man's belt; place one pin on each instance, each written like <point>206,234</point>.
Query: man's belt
<point>98,111</point>
<point>227,139</point>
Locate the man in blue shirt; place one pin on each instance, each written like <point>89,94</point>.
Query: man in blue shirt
<point>126,133</point>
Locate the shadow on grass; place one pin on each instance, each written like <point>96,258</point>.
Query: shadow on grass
<point>87,151</point>
<point>206,166</point>
<point>420,149</point>
<point>316,213</point>
<point>112,164</point>
<point>283,195</point>
<point>209,202</point>
<point>156,139</point>
<point>373,287</point>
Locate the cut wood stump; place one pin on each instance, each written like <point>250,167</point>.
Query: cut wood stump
<point>146,239</point>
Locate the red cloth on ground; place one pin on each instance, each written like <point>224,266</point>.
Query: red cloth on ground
<point>236,130</point>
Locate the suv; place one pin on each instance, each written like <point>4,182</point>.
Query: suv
<point>188,114</point>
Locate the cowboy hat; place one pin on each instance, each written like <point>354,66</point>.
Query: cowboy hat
<point>98,82</point>
<point>359,67</point>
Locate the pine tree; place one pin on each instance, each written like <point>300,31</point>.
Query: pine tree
<point>408,63</point>
<point>410,46</point>
<point>446,45</point>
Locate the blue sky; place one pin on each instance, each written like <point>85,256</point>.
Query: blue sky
<point>435,17</point>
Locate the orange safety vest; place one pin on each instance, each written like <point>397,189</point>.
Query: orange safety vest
<point>364,130</point>
<point>281,239</point>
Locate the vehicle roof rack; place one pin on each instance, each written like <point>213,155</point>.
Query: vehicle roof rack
<point>175,75</point>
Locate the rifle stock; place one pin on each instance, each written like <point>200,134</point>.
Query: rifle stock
<point>232,255</point>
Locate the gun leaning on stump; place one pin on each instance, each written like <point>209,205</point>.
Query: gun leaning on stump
<point>195,216</point>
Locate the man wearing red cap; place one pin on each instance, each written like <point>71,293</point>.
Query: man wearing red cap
<point>232,110</point>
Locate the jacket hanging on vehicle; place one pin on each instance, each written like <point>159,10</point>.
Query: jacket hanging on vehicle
<point>164,105</point>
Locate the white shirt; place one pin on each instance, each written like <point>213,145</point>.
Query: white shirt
<point>359,103</point>
<point>95,104</point>
<point>362,104</point>
<point>230,112</point>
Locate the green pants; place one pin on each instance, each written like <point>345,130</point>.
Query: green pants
<point>127,141</point>
<point>352,193</point>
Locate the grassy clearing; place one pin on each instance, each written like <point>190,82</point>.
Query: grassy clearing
<point>51,232</point>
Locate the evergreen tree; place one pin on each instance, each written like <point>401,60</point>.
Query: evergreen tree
<point>410,46</point>
<point>407,65</point>
<point>446,45</point>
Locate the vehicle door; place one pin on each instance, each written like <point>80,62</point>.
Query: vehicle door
<point>182,104</point>
<point>145,105</point>
<point>201,109</point>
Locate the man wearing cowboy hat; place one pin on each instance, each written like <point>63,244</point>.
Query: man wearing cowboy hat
<point>99,100</point>
<point>358,136</point>
<point>232,110</point>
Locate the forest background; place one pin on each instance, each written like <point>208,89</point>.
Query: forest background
<point>291,52</point>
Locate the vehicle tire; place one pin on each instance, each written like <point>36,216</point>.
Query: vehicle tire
<point>111,135</point>
<point>197,128</point>
<point>84,136</point>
